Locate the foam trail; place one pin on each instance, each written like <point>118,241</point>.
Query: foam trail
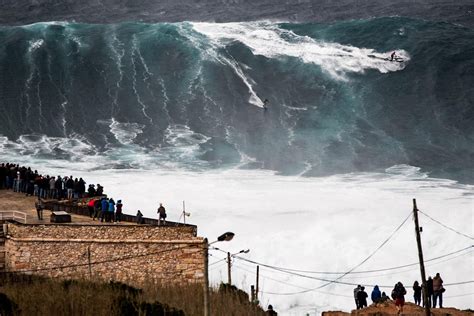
<point>269,40</point>
<point>117,55</point>
<point>33,46</point>
<point>134,76</point>
<point>209,50</point>
<point>254,99</point>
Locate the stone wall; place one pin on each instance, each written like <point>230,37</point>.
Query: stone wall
<point>131,254</point>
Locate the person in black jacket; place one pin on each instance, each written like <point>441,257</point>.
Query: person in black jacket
<point>429,291</point>
<point>417,293</point>
<point>270,311</point>
<point>362,298</point>
<point>398,294</point>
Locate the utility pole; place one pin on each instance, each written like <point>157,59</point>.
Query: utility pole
<point>89,261</point>
<point>229,276</point>
<point>252,294</point>
<point>206,279</point>
<point>256,287</point>
<point>422,263</point>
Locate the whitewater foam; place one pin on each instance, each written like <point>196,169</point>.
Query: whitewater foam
<point>316,224</point>
<point>269,40</point>
<point>125,133</point>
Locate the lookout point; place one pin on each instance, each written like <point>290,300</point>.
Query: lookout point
<point>125,252</point>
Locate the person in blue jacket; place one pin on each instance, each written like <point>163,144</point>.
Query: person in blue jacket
<point>376,295</point>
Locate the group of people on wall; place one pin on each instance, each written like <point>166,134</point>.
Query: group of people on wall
<point>434,294</point>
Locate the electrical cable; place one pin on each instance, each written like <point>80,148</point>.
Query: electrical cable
<point>376,270</point>
<point>340,277</point>
<point>289,284</point>
<point>447,227</point>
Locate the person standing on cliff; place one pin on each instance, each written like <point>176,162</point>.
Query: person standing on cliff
<point>356,290</point>
<point>161,215</point>
<point>362,298</point>
<point>270,311</point>
<point>376,295</point>
<point>398,294</point>
<point>417,293</point>
<point>429,291</point>
<point>438,290</point>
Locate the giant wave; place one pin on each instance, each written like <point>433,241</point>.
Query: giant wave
<point>191,94</point>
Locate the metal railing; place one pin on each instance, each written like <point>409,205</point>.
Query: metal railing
<point>16,216</point>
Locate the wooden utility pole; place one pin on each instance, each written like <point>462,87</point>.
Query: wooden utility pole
<point>256,287</point>
<point>422,263</point>
<point>89,261</point>
<point>207,305</point>
<point>229,276</point>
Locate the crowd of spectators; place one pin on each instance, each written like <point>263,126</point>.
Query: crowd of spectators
<point>25,180</point>
<point>30,182</point>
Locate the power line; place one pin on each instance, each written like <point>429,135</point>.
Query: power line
<point>371,255</point>
<point>451,229</point>
<point>355,267</point>
<point>286,283</point>
<point>211,264</point>
<point>376,270</point>
<point>408,270</point>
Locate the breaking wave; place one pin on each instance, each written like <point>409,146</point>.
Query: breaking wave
<point>191,95</point>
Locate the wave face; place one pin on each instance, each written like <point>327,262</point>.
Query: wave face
<point>192,95</point>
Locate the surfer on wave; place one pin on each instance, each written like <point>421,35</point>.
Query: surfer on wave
<point>265,104</point>
<point>393,56</point>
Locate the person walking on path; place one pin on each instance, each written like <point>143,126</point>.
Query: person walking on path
<point>376,295</point>
<point>39,208</point>
<point>161,215</point>
<point>356,290</point>
<point>398,294</point>
<point>417,293</point>
<point>362,298</point>
<point>438,290</point>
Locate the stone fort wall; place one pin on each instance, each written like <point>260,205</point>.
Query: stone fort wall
<point>134,254</point>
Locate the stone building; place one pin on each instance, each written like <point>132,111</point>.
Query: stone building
<point>129,253</point>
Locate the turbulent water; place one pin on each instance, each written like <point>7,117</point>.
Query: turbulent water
<point>168,112</point>
<point>192,94</point>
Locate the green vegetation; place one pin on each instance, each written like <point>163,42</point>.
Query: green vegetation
<point>27,295</point>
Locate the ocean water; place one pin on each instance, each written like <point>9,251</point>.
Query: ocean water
<point>168,112</point>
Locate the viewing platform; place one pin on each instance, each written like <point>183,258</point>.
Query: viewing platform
<point>84,248</point>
